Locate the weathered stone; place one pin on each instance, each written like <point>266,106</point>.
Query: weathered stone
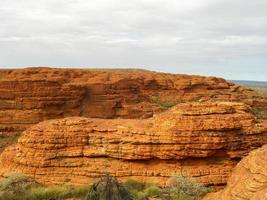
<point>248,180</point>
<point>204,140</point>
<point>28,96</point>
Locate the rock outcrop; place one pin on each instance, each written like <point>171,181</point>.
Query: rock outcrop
<point>205,140</point>
<point>28,96</point>
<point>248,180</point>
<point>27,102</point>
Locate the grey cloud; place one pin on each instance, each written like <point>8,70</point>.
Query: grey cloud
<point>205,36</point>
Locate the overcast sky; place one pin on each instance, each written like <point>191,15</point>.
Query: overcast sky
<point>225,38</point>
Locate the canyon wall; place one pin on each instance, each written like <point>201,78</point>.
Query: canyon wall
<point>28,96</point>
<point>204,140</point>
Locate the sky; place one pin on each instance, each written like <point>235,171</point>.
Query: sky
<point>226,38</point>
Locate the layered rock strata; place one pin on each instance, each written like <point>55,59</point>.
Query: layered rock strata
<point>27,102</point>
<point>248,180</point>
<point>28,96</point>
<point>204,140</point>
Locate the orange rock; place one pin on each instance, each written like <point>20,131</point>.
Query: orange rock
<point>248,180</point>
<point>204,140</point>
<point>28,96</point>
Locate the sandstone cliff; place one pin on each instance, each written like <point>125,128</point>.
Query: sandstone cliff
<point>205,140</point>
<point>248,180</point>
<point>28,96</point>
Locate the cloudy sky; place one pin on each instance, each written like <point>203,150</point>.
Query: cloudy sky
<point>225,38</point>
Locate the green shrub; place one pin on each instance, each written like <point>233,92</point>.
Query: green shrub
<point>258,112</point>
<point>163,104</point>
<point>57,192</point>
<point>131,184</point>
<point>44,193</point>
<point>14,186</point>
<point>19,187</point>
<point>152,191</point>
<point>141,191</point>
<point>80,191</point>
<point>6,140</point>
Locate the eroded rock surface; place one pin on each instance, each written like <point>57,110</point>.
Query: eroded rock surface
<point>248,180</point>
<point>205,140</point>
<point>28,96</point>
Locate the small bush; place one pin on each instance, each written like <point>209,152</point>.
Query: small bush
<point>14,186</point>
<point>80,191</point>
<point>131,184</point>
<point>141,191</point>
<point>163,104</point>
<point>57,192</point>
<point>44,193</point>
<point>152,191</point>
<point>19,187</point>
<point>185,187</point>
<point>258,112</point>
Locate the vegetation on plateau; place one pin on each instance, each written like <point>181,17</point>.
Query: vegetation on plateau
<point>19,187</point>
<point>163,104</point>
<point>7,140</point>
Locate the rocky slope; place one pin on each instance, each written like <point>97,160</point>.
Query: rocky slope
<point>28,96</point>
<point>205,140</point>
<point>248,180</point>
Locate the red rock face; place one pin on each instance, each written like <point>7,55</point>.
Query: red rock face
<point>28,96</point>
<point>248,180</point>
<point>204,140</point>
<point>27,102</point>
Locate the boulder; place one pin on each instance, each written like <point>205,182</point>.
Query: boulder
<point>204,140</point>
<point>248,179</point>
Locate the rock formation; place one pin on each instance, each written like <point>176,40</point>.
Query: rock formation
<point>204,140</point>
<point>27,102</point>
<point>28,96</point>
<point>248,180</point>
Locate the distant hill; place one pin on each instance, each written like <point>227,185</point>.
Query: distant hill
<point>257,85</point>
